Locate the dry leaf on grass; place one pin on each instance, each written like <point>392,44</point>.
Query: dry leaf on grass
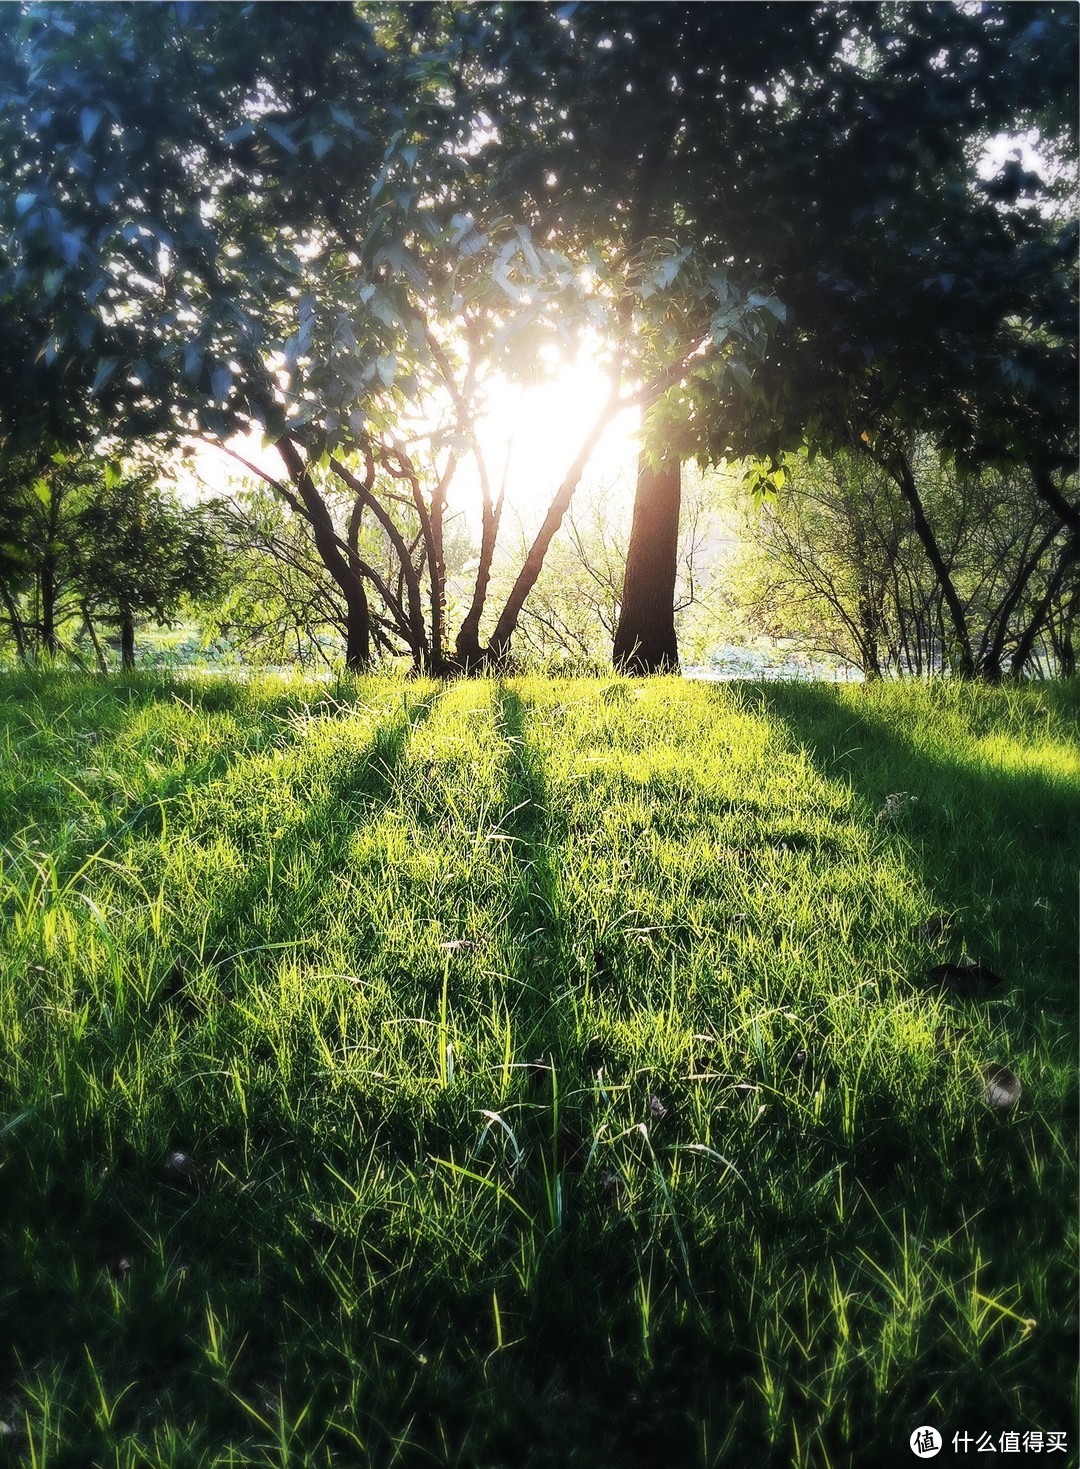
<point>182,1169</point>
<point>1002,1090</point>
<point>966,981</point>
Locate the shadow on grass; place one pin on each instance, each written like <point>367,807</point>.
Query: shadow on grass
<point>79,718</point>
<point>356,793</point>
<point>997,846</point>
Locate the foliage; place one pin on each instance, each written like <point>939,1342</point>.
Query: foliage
<point>830,153</point>
<point>301,238</point>
<point>94,542</point>
<point>139,553</point>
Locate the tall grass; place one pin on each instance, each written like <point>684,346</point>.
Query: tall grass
<point>532,1072</point>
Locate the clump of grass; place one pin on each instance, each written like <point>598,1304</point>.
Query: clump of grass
<point>554,1070</point>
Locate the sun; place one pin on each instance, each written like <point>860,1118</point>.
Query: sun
<point>530,436</point>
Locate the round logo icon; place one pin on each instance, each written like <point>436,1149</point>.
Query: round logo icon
<point>925,1442</point>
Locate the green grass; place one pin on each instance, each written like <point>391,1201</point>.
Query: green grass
<point>557,1064</point>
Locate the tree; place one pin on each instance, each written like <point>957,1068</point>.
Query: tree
<point>830,151</point>
<point>38,585</point>
<point>303,238</point>
<point>95,544</point>
<point>838,562</point>
<point>137,553</point>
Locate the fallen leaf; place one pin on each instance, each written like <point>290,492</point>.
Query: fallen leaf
<point>1002,1087</point>
<point>966,981</point>
<point>182,1169</point>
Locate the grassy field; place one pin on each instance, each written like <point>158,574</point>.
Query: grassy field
<point>533,1073</point>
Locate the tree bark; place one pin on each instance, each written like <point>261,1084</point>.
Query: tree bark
<point>127,640</point>
<point>357,631</point>
<point>358,626</point>
<point>99,653</point>
<point>1069,556</point>
<point>15,623</point>
<point>645,640</point>
<point>526,578</point>
<point>1049,493</point>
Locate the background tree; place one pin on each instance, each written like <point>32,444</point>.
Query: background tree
<point>831,152</point>
<point>137,552</point>
<point>838,563</point>
<point>38,583</point>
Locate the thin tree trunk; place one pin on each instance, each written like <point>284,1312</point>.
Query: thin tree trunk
<point>467,643</point>
<point>15,622</point>
<point>1049,493</point>
<point>358,636</point>
<point>990,663</point>
<point>339,569</point>
<point>534,561</point>
<point>645,640</point>
<point>901,471</point>
<point>47,580</point>
<point>1070,554</point>
<point>99,653</point>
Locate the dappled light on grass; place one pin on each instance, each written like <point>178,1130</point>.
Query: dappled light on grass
<point>442,1069</point>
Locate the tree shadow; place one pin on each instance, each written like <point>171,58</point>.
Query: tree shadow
<point>992,844</point>
<point>107,708</point>
<point>355,794</point>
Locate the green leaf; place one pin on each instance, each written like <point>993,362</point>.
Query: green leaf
<point>741,373</point>
<point>281,137</point>
<point>89,121</point>
<point>105,369</point>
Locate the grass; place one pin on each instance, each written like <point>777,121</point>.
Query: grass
<point>551,1066</point>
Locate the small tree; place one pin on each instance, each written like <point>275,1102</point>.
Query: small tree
<point>138,552</point>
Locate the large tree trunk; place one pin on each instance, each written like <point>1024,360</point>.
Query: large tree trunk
<point>127,640</point>
<point>645,639</point>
